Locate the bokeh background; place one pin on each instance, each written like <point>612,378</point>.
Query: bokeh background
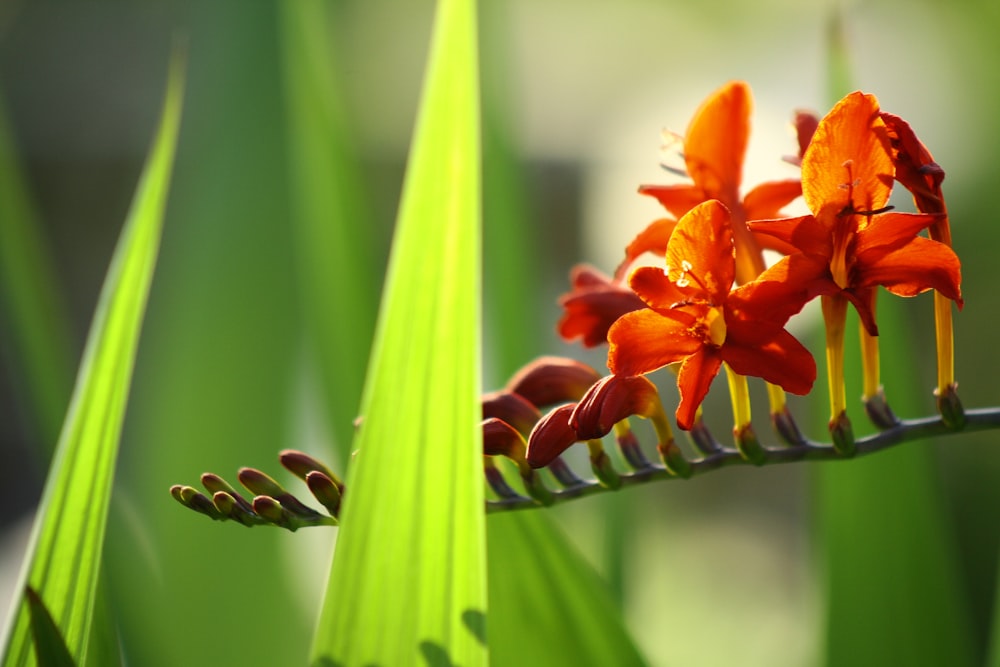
<point>865,562</point>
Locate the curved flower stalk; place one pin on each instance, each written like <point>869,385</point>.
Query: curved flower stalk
<point>710,306</point>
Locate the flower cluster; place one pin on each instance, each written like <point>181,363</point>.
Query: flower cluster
<point>715,304</point>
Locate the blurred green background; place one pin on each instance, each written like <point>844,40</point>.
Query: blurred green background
<point>264,298</point>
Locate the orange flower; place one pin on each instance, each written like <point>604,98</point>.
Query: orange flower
<point>714,148</point>
<point>693,317</point>
<point>850,244</point>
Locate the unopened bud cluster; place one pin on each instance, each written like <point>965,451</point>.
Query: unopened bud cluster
<point>270,503</point>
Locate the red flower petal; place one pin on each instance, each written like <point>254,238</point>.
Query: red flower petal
<point>701,256</point>
<point>804,233</point>
<point>677,199</point>
<point>918,266</point>
<point>655,289</point>
<point>645,340</point>
<point>847,164</point>
<point>693,380</point>
<point>767,199</point>
<point>863,299</point>
<point>782,290</point>
<point>653,238</point>
<point>915,166</point>
<point>771,353</point>
<point>716,141</point>
<point>891,230</point>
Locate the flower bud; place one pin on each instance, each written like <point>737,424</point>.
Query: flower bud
<point>271,510</point>
<point>325,490</point>
<point>231,508</point>
<point>611,400</point>
<point>551,436</point>
<point>301,464</point>
<point>553,380</point>
<point>502,439</point>
<point>263,485</point>
<point>193,499</point>
<point>215,484</point>
<point>512,408</point>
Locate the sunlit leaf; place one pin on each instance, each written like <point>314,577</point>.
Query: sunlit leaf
<point>408,580</point>
<point>64,558</point>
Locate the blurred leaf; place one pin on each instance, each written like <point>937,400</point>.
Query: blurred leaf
<point>339,279</point>
<point>547,605</point>
<point>410,560</point>
<point>511,237</point>
<point>36,331</point>
<point>215,383</point>
<point>64,559</point>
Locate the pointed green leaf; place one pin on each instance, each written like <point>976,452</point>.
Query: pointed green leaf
<point>64,558</point>
<point>408,578</point>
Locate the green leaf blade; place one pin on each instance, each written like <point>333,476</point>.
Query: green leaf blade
<point>65,554</point>
<point>409,575</point>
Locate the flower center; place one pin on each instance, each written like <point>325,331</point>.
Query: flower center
<point>715,320</point>
<point>838,263</point>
